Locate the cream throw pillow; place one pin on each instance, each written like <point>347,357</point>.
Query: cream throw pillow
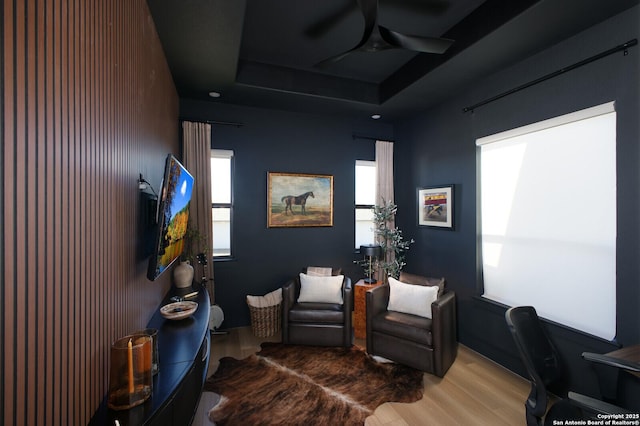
<point>321,289</point>
<point>411,298</point>
<point>319,271</point>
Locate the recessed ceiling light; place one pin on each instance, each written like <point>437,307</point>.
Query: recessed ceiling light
<point>376,116</point>
<point>214,94</point>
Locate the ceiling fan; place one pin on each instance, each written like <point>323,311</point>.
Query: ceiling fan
<point>376,38</point>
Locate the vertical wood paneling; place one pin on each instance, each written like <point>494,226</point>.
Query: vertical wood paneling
<point>41,216</point>
<point>49,231</point>
<point>8,163</point>
<point>4,42</point>
<point>30,176</point>
<point>19,346</point>
<point>87,104</point>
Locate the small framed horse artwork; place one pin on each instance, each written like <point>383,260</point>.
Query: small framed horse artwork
<point>299,199</point>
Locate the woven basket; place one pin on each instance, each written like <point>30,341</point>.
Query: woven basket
<point>265,322</point>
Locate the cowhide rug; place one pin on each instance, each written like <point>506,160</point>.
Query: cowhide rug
<point>307,385</point>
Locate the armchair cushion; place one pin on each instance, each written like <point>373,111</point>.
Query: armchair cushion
<point>405,326</point>
<point>331,313</point>
<point>410,298</point>
<point>315,289</point>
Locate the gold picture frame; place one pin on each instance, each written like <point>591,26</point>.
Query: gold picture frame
<point>299,200</point>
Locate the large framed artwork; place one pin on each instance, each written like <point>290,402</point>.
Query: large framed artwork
<point>299,199</point>
<point>435,206</point>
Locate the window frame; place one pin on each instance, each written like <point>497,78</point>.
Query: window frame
<point>369,163</point>
<point>225,153</point>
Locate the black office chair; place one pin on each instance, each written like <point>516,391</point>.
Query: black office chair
<point>541,360</point>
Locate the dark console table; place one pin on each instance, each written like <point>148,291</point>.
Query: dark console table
<point>183,348</point>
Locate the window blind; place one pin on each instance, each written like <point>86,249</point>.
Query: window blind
<point>548,218</point>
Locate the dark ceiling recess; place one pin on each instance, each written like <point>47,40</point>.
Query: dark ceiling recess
<point>264,53</point>
<point>490,15</point>
<point>376,38</point>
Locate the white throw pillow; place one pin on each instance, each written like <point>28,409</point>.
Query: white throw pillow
<point>411,298</point>
<point>319,271</point>
<point>321,289</point>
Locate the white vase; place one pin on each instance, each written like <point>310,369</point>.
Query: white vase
<point>183,274</point>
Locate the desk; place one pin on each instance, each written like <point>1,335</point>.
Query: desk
<point>627,390</point>
<point>630,353</point>
<point>360,308</point>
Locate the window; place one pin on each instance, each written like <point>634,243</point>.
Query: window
<point>221,198</point>
<point>365,200</point>
<point>548,218</point>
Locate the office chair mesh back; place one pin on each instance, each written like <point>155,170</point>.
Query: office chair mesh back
<point>540,358</point>
<point>534,344</point>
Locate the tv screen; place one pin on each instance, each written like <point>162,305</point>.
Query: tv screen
<point>172,217</point>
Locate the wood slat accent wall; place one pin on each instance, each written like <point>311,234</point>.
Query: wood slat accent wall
<point>88,103</point>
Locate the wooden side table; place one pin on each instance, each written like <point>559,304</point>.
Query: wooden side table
<point>360,308</point>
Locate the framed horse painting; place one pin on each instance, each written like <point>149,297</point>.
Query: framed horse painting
<point>299,199</point>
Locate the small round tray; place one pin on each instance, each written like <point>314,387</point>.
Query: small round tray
<point>178,310</point>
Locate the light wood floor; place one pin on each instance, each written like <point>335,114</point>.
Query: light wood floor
<point>475,390</point>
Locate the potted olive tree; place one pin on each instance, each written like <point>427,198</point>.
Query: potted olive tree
<point>390,239</point>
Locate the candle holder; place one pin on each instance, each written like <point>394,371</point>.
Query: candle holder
<point>130,378</point>
<point>153,333</point>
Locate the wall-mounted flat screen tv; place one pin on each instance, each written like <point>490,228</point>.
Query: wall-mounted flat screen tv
<point>172,217</point>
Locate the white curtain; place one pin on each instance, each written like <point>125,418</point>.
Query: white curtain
<point>196,155</point>
<point>384,182</point>
<point>384,165</point>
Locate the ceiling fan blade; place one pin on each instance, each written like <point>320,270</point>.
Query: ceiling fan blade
<point>415,43</point>
<point>369,9</point>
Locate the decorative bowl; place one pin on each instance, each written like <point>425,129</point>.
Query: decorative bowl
<point>178,310</point>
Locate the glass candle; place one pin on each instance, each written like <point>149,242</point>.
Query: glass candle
<point>130,378</point>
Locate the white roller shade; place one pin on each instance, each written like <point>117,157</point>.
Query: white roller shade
<point>548,218</point>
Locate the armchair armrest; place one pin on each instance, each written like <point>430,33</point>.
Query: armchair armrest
<point>347,308</point>
<point>443,315</point>
<point>289,294</point>
<point>376,301</point>
<point>289,297</point>
<point>347,294</point>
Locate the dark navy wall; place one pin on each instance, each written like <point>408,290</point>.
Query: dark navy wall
<point>276,141</point>
<point>433,147</point>
<point>438,147</point>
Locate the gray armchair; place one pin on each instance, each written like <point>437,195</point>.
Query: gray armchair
<point>314,323</point>
<point>428,345</point>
